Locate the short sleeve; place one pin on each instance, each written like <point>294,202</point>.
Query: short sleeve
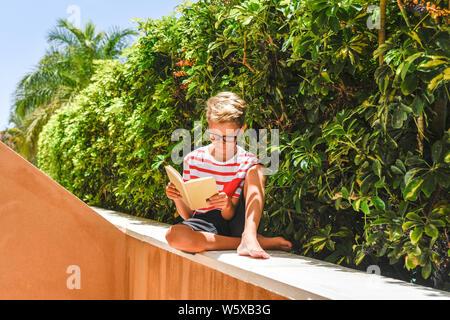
<point>186,170</point>
<point>253,161</point>
<point>238,191</point>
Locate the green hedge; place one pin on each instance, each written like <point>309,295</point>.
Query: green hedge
<point>364,164</point>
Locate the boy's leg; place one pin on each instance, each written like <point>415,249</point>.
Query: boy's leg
<point>184,238</point>
<point>254,202</point>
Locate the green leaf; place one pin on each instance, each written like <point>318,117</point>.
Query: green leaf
<point>334,24</point>
<point>379,184</point>
<point>228,52</point>
<point>438,223</point>
<point>321,19</point>
<point>412,189</point>
<point>409,84</point>
<point>325,76</point>
<point>303,46</point>
<point>290,228</point>
<point>431,64</point>
<point>404,67</point>
<point>253,6</point>
<point>408,225</point>
<point>331,11</point>
<point>319,247</point>
<point>356,204</point>
<point>383,84</point>
<point>400,165</point>
<point>400,68</point>
<point>398,118</point>
<point>359,257</point>
<point>330,245</point>
<point>403,206</point>
<point>287,43</point>
<point>365,207</point>
<point>248,20</point>
<point>378,203</point>
<point>380,221</point>
<point>376,167</point>
<point>431,231</point>
<point>410,262</point>
<point>317,239</point>
<point>396,170</point>
<point>409,175</point>
<point>436,151</point>
<point>304,165</point>
<point>416,234</point>
<point>416,37</point>
<point>298,207</point>
<point>405,108</point>
<point>337,203</point>
<point>435,82</point>
<point>417,105</point>
<point>413,216</point>
<point>447,157</point>
<point>426,271</point>
<point>344,192</point>
<point>429,185</point>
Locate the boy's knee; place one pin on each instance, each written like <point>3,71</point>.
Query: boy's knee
<point>171,235</point>
<point>255,177</point>
<point>177,236</point>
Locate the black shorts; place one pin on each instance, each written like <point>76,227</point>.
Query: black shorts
<point>212,221</point>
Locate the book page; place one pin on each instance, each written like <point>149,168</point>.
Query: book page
<point>177,180</point>
<point>201,189</point>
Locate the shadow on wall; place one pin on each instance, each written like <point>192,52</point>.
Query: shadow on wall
<point>53,245</point>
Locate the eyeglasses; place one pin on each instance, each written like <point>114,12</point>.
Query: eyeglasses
<point>226,139</point>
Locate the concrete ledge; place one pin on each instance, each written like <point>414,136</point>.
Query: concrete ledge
<point>284,274</point>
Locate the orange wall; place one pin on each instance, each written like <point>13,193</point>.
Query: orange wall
<point>44,229</point>
<point>159,274</point>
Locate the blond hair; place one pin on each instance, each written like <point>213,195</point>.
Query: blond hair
<point>226,107</point>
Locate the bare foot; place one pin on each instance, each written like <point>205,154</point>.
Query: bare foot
<point>275,243</point>
<point>250,246</point>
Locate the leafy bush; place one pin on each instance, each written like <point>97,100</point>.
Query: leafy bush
<point>364,164</point>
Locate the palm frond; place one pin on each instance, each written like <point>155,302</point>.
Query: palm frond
<point>60,75</point>
<point>116,40</point>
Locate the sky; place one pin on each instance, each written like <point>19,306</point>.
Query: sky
<point>24,26</point>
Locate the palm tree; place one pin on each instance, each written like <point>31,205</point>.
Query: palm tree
<point>60,75</point>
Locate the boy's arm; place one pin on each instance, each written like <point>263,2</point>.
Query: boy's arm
<point>229,211</point>
<point>183,210</point>
<point>226,204</point>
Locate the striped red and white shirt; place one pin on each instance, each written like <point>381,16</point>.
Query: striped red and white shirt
<point>230,175</point>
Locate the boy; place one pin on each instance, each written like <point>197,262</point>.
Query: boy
<point>232,218</point>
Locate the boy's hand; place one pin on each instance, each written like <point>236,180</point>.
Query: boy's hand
<point>220,201</point>
<point>172,192</point>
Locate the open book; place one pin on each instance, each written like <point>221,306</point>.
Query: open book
<point>195,191</point>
